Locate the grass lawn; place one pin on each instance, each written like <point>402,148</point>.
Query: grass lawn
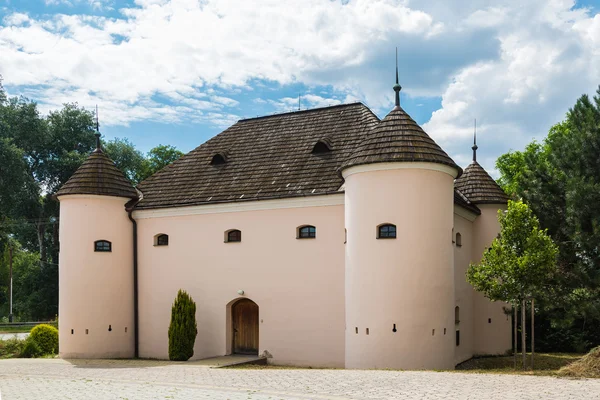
<point>19,329</point>
<point>545,364</point>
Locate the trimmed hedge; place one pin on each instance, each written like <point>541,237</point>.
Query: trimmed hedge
<point>183,328</point>
<point>46,338</point>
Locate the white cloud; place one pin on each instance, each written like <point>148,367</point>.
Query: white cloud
<point>186,46</point>
<point>548,57</point>
<point>516,66</point>
<point>16,19</point>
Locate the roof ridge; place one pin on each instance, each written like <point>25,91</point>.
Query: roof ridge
<point>304,111</point>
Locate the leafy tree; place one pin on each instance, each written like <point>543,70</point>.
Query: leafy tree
<point>560,180</point>
<point>161,156</point>
<point>520,262</point>
<point>183,328</point>
<point>127,158</point>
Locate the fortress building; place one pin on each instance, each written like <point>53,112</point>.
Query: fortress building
<point>325,238</point>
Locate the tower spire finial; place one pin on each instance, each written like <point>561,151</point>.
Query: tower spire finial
<point>397,86</point>
<point>97,134</point>
<point>475,140</point>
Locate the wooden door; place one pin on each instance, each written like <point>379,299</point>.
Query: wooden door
<point>244,317</point>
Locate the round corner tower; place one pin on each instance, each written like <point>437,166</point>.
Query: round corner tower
<point>399,188</point>
<point>96,315</point>
<point>491,326</point>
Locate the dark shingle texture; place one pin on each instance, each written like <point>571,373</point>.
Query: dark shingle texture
<point>268,157</point>
<point>461,200</point>
<point>479,187</point>
<point>98,175</point>
<point>398,138</point>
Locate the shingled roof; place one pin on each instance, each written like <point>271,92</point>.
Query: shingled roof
<point>98,175</point>
<point>266,158</point>
<point>479,187</point>
<point>398,138</point>
<point>461,200</point>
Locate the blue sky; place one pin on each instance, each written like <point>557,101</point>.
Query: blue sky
<point>180,71</point>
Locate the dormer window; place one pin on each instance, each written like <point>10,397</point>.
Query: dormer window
<point>218,159</point>
<point>161,240</point>
<point>102,246</point>
<point>323,146</point>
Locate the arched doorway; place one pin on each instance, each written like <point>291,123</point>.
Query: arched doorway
<point>244,323</point>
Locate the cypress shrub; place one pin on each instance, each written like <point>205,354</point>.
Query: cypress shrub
<point>183,328</point>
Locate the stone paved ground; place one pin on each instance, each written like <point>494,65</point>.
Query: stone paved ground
<point>58,379</point>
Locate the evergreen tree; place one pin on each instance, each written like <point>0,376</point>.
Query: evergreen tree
<point>183,328</point>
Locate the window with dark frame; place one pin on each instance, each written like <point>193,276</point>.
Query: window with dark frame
<point>386,231</point>
<point>162,240</point>
<point>307,232</point>
<point>102,246</point>
<point>234,236</point>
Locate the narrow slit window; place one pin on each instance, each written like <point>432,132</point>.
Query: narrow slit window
<point>233,235</point>
<point>307,232</point>
<point>102,246</point>
<point>386,231</point>
<point>458,240</point>
<point>161,240</point>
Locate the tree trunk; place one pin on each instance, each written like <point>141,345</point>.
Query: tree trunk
<point>532,332</point>
<point>523,334</point>
<point>515,341</point>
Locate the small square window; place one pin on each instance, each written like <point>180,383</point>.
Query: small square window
<point>102,246</point>
<point>386,231</point>
<point>162,240</point>
<point>307,232</point>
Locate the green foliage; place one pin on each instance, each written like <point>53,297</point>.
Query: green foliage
<point>127,158</point>
<point>38,154</point>
<point>560,180</point>
<point>46,338</point>
<point>161,156</point>
<point>31,349</point>
<point>11,348</point>
<point>520,262</point>
<point>183,328</point>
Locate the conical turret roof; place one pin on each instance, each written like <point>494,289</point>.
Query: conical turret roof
<point>479,187</point>
<point>398,138</point>
<point>98,175</point>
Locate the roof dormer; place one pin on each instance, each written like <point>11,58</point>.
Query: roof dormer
<point>322,146</point>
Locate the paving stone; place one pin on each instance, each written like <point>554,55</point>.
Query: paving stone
<point>141,379</point>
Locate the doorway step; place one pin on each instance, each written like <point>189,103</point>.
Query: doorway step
<point>230,360</point>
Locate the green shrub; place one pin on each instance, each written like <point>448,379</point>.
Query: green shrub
<point>46,338</point>
<point>31,349</point>
<point>12,347</point>
<point>183,328</point>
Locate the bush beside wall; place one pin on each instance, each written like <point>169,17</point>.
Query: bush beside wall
<point>183,328</point>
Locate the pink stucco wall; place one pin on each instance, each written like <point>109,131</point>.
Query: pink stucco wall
<point>297,284</point>
<point>489,337</point>
<point>464,291</point>
<point>408,281</point>
<point>95,289</point>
